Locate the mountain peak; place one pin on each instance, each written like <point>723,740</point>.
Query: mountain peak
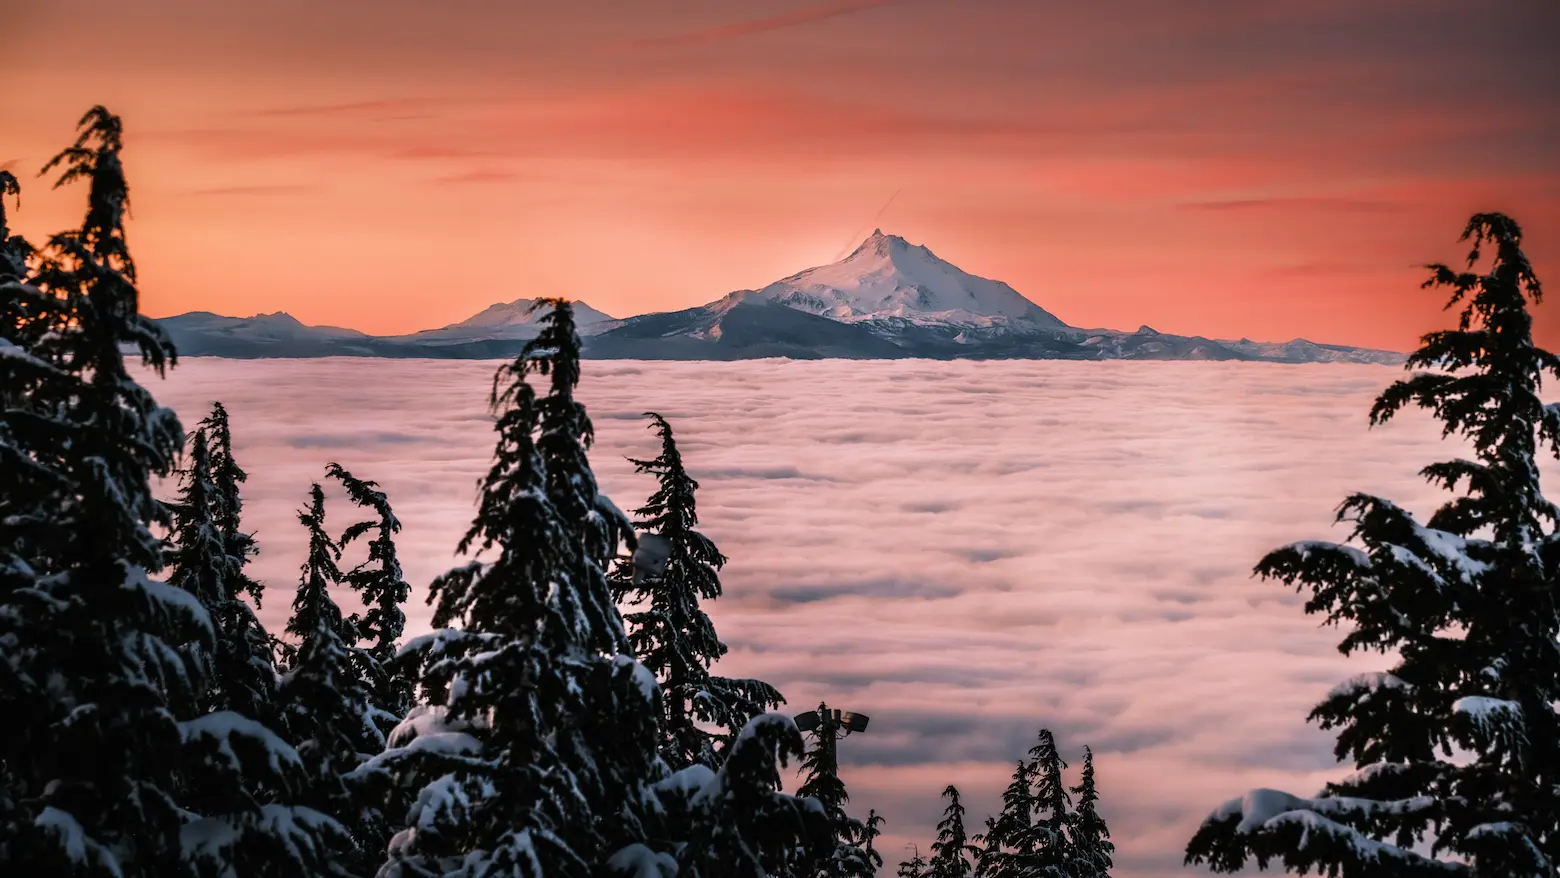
<point>887,277</point>
<point>519,313</point>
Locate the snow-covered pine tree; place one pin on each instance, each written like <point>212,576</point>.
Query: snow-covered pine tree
<point>915,867</point>
<point>382,590</point>
<point>614,749</point>
<point>1457,749</point>
<point>325,705</point>
<point>538,753</point>
<point>1009,837</point>
<point>245,677</point>
<point>951,852</point>
<point>1090,848</point>
<point>14,249</point>
<point>1046,841</point>
<point>739,823</point>
<point>94,762</point>
<point>672,635</point>
<point>843,856</point>
<point>538,761</point>
<point>207,561</point>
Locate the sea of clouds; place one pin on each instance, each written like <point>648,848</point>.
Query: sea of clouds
<point>963,551</point>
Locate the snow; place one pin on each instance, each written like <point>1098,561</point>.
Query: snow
<point>294,828</point>
<point>514,320</point>
<point>888,277</point>
<point>78,848</point>
<point>638,861</point>
<point>1451,549</point>
<point>1366,683</point>
<point>225,725</point>
<point>1307,548</point>
<point>1488,715</point>
<point>649,686</point>
<point>168,597</point>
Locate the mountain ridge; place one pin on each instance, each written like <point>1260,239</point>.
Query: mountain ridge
<point>887,299</point>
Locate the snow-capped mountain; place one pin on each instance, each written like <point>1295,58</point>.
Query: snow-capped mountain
<point>279,326</point>
<point>888,299</point>
<point>887,278</point>
<point>515,320</point>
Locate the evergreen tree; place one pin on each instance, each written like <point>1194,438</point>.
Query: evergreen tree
<point>1088,837</point>
<point>844,855</point>
<point>739,823</point>
<point>1456,748</point>
<point>14,249</point>
<point>952,849</point>
<point>988,854</point>
<point>1009,838</point>
<point>1046,839</point>
<point>544,744</point>
<point>672,635</point>
<point>538,752</point>
<point>379,584</point>
<point>915,867</point>
<point>326,706</point>
<point>870,861</point>
<point>246,675</point>
<point>207,561</point>
<point>93,763</point>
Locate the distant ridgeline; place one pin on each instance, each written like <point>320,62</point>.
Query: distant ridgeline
<point>888,299</point>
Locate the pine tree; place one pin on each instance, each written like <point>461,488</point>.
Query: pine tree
<point>672,635</point>
<point>952,849</point>
<point>207,561</point>
<point>844,855</point>
<point>1088,837</point>
<point>14,249</point>
<point>1008,839</point>
<point>739,824</point>
<point>326,706</point>
<point>379,584</point>
<point>540,756</point>
<point>870,860</point>
<point>1046,840</point>
<point>988,849</point>
<point>1456,748</point>
<point>246,677</point>
<point>915,867</point>
<point>93,765</point>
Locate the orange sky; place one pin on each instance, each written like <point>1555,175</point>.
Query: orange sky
<point>1227,168</point>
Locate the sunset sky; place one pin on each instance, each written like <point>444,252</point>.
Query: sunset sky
<point>1229,169</point>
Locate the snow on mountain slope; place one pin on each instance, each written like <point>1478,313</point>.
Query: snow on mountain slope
<point>518,313</point>
<point>888,278</point>
<point>1300,350</point>
<point>279,326</point>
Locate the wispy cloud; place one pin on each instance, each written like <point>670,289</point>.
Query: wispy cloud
<point>479,176</point>
<point>1069,547</point>
<point>1330,205</point>
<point>794,18</point>
<point>404,108</point>
<point>253,190</point>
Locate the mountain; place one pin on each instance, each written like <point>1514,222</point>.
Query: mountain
<point>202,333</point>
<point>888,299</point>
<point>508,320</point>
<point>888,279</point>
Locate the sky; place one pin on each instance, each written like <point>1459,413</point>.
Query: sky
<point>964,552</point>
<point>1259,169</point>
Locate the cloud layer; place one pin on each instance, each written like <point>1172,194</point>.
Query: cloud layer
<point>963,551</point>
